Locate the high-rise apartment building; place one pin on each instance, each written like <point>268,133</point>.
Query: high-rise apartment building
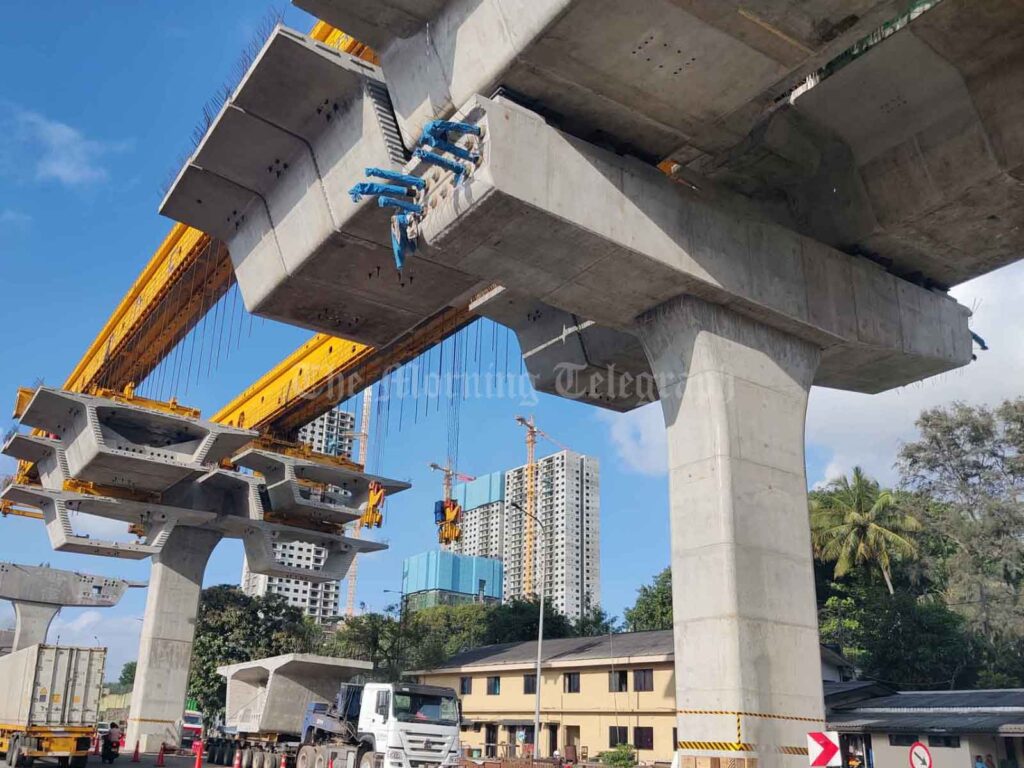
<point>332,434</point>
<point>566,552</point>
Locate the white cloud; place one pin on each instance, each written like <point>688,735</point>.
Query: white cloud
<point>14,218</point>
<point>867,430</point>
<point>639,438</point>
<point>90,627</point>
<point>57,151</point>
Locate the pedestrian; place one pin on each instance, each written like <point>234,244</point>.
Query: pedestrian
<point>978,762</point>
<point>989,762</point>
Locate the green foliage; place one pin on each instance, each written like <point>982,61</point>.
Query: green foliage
<point>127,678</point>
<point>594,621</point>
<point>854,522</point>
<point>232,627</point>
<point>622,756</point>
<point>653,606</point>
<point>917,643</point>
<point>516,621</point>
<point>967,470</point>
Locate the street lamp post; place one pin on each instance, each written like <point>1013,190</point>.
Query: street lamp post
<point>540,640</point>
<point>401,627</point>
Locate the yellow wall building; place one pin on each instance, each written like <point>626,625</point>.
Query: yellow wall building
<point>595,692</point>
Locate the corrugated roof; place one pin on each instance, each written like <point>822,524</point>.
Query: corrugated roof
<point>926,722</point>
<point>983,711</point>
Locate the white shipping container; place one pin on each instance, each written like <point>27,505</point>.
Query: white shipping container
<point>49,685</point>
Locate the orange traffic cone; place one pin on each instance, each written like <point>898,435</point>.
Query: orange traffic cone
<point>199,755</point>
<point>121,743</point>
<point>96,744</point>
<point>284,760</point>
<point>237,763</point>
<point>330,761</point>
<point>135,754</point>
<point>160,757</point>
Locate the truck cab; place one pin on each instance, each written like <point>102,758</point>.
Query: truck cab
<point>384,725</point>
<point>414,726</point>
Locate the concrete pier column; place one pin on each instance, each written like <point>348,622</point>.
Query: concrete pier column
<point>748,670</point>
<point>165,648</point>
<point>32,622</point>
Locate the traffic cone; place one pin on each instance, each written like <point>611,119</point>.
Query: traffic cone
<point>330,761</point>
<point>96,744</point>
<point>284,760</point>
<point>121,743</point>
<point>199,755</point>
<point>135,754</point>
<point>237,763</point>
<point>160,757</point>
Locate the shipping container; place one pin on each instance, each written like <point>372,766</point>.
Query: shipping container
<point>51,701</point>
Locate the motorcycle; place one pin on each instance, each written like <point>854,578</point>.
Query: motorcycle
<point>110,752</point>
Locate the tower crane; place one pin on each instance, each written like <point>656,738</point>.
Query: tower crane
<point>530,511</point>
<point>448,512</point>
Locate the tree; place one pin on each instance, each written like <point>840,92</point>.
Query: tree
<point>127,678</point>
<point>653,606</point>
<point>594,621</point>
<point>854,522</point>
<point>967,473</point>
<point>232,627</point>
<point>917,643</point>
<point>516,621</point>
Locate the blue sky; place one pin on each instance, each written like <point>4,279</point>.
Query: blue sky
<point>96,108</point>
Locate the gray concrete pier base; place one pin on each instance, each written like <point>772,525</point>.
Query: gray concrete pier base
<point>32,622</point>
<point>734,397</point>
<point>165,648</point>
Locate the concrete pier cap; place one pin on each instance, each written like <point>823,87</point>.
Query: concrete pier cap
<point>39,592</point>
<point>732,318</point>
<point>271,178</point>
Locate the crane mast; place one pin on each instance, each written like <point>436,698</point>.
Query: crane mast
<point>364,440</point>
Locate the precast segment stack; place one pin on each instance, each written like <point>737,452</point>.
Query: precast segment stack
<point>168,475</point>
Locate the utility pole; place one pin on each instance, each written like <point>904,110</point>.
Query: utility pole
<point>540,642</point>
<point>364,441</point>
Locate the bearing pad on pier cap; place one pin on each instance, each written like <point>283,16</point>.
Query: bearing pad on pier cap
<point>271,177</point>
<point>608,238</point>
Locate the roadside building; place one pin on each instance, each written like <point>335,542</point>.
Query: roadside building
<point>596,692</point>
<point>955,727</point>
<point>439,577</point>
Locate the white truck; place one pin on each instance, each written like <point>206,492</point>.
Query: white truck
<point>49,704</point>
<point>305,709</point>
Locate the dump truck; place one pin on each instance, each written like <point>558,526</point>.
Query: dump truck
<point>312,711</point>
<point>50,704</point>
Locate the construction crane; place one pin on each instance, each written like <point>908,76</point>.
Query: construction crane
<point>375,517</point>
<point>447,511</point>
<point>530,510</point>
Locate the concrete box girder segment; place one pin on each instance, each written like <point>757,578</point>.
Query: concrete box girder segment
<point>652,77</point>
<point>341,551</point>
<point>38,593</point>
<point>271,178</point>
<point>608,238</point>
<point>58,508</point>
<point>119,444</point>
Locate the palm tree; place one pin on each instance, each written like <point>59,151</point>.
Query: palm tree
<point>855,522</point>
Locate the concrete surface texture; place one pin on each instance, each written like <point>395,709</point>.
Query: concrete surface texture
<point>734,397</point>
<point>908,150</point>
<point>271,695</point>
<point>39,592</point>
<point>271,178</point>
<point>608,238</point>
<point>168,628</point>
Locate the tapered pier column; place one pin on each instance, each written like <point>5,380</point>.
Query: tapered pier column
<point>734,396</point>
<point>32,622</point>
<point>168,629</point>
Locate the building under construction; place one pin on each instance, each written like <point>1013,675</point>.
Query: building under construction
<point>566,556</point>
